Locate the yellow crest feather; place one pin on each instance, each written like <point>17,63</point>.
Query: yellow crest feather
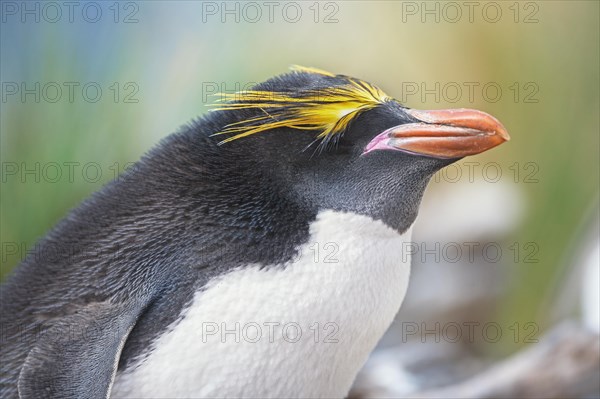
<point>329,110</point>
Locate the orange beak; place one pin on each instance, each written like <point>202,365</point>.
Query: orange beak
<point>445,133</point>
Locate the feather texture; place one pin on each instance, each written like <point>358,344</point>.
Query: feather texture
<point>328,110</point>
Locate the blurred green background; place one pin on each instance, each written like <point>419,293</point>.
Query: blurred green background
<point>156,63</point>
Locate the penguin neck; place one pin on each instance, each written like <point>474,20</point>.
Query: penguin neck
<point>303,328</point>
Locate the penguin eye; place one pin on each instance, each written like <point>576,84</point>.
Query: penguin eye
<point>339,144</point>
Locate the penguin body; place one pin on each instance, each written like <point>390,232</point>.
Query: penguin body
<point>302,327</point>
<point>118,298</point>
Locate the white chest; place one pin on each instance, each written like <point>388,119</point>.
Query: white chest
<point>303,330</point>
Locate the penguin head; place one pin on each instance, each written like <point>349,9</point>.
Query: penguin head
<point>337,142</point>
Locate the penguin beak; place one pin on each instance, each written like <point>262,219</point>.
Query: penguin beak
<point>444,133</point>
